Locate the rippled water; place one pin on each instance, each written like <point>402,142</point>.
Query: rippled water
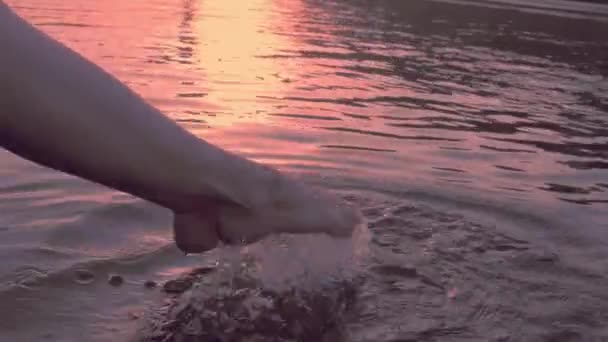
<point>474,134</point>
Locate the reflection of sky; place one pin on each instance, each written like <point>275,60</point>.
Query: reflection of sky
<point>230,37</point>
<point>468,106</point>
<point>455,96</point>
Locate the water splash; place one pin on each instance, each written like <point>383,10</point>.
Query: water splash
<point>298,261</point>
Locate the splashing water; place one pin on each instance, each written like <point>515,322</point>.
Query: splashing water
<point>289,288</point>
<point>298,261</point>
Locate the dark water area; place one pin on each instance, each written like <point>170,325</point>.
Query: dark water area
<point>472,134</point>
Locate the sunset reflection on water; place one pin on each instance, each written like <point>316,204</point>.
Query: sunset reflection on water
<point>472,137</point>
<point>230,39</point>
<point>344,86</point>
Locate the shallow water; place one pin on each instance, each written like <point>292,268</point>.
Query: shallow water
<point>473,135</point>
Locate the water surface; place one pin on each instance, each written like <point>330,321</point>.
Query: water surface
<point>473,134</point>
